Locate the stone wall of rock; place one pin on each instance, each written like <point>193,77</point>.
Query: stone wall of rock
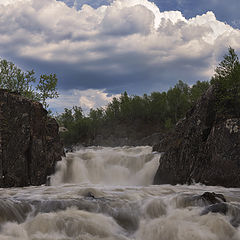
<point>29,142</point>
<point>204,148</point>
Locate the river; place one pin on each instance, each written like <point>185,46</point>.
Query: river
<point>106,194</point>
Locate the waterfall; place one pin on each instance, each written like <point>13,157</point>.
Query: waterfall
<point>108,166</point>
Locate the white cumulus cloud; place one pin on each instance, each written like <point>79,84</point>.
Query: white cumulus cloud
<point>8,2</point>
<point>87,99</point>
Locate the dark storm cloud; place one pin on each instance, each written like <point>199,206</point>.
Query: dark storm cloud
<point>139,76</point>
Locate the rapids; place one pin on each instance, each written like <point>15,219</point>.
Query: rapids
<point>106,194</point>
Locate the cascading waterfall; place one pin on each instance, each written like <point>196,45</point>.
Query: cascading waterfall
<point>108,166</point>
<point>106,194</point>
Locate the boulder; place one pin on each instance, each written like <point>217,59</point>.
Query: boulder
<point>29,142</point>
<point>205,148</point>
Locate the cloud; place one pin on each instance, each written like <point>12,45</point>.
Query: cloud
<point>226,11</point>
<point>87,99</point>
<point>120,45</point>
<point>7,2</point>
<point>93,3</point>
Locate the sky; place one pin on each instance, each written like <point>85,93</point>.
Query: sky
<point>101,48</point>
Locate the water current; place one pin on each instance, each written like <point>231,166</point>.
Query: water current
<point>106,194</point>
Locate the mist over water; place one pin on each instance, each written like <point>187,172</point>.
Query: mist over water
<point>106,194</point>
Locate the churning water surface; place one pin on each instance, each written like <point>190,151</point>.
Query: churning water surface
<point>106,194</point>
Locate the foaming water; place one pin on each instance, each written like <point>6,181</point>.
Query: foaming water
<point>106,194</point>
<point>108,166</point>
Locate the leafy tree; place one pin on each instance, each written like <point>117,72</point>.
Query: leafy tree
<point>113,109</point>
<point>77,113</point>
<point>65,119</point>
<point>46,88</point>
<point>14,79</point>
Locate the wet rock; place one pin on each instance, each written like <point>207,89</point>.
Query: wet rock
<point>213,198</point>
<point>203,200</point>
<point>29,142</point>
<point>216,208</point>
<point>89,195</point>
<point>205,148</point>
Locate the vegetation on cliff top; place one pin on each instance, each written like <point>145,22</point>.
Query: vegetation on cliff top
<point>14,79</point>
<point>227,82</point>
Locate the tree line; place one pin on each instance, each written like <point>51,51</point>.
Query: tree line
<point>158,111</point>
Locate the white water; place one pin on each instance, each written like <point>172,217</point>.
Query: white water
<point>108,166</point>
<point>106,194</point>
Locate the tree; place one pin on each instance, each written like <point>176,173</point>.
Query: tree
<point>227,83</point>
<point>47,88</point>
<point>66,118</point>
<point>197,90</point>
<point>178,101</point>
<point>77,113</point>
<point>14,79</point>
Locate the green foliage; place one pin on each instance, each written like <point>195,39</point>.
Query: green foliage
<point>65,119</point>
<point>79,127</point>
<point>178,101</point>
<point>14,79</point>
<point>133,113</point>
<point>227,82</point>
<point>198,89</point>
<point>46,88</point>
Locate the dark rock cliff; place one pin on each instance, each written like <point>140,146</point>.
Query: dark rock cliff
<point>29,142</point>
<point>204,148</point>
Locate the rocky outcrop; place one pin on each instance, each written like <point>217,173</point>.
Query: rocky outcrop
<point>205,147</point>
<point>29,142</point>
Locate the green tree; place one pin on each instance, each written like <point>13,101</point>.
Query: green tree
<point>197,90</point>
<point>77,113</point>
<point>97,117</point>
<point>178,101</point>
<point>46,88</point>
<point>227,83</point>
<point>14,79</point>
<point>113,109</point>
<point>158,105</point>
<point>65,119</point>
